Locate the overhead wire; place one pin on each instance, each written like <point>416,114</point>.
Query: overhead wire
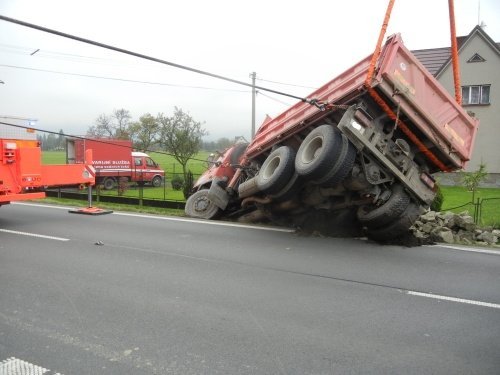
<point>120,79</point>
<point>102,140</point>
<point>285,84</point>
<point>274,99</point>
<point>312,101</point>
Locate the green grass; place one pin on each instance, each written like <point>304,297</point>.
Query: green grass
<point>455,196</point>
<point>166,162</point>
<point>114,206</point>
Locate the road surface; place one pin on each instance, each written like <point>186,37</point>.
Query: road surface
<point>138,294</point>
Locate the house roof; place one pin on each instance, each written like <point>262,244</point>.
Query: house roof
<point>436,59</point>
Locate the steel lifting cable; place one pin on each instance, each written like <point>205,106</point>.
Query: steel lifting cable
<point>380,101</point>
<point>314,102</point>
<point>454,54</point>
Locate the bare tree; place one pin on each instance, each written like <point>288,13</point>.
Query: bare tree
<point>114,126</point>
<point>102,128</point>
<point>122,117</point>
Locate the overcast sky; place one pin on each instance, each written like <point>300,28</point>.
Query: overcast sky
<point>287,41</point>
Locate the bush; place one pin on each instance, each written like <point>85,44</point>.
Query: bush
<point>437,203</point>
<point>188,186</point>
<point>177,182</point>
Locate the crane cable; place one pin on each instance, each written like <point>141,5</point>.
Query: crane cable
<point>312,101</point>
<point>454,53</point>
<point>380,101</point>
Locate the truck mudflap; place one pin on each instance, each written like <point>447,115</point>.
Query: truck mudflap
<point>218,195</point>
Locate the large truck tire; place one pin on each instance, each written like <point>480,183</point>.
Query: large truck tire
<point>398,228</point>
<point>109,183</point>
<point>342,166</point>
<point>248,188</point>
<point>318,151</point>
<point>277,170</point>
<point>289,190</point>
<point>199,206</point>
<point>376,217</point>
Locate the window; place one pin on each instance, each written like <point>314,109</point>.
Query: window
<point>476,58</point>
<point>150,163</point>
<point>476,94</point>
<point>138,161</point>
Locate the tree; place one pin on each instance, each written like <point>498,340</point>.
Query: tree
<point>60,140</point>
<point>145,132</point>
<point>181,136</point>
<point>472,180</point>
<point>122,117</point>
<point>114,126</point>
<point>102,128</point>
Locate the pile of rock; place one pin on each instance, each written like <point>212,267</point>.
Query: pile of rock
<point>453,228</point>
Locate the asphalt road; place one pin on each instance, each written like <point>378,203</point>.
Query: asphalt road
<point>132,294</point>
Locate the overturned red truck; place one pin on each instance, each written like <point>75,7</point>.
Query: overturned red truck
<point>362,157</point>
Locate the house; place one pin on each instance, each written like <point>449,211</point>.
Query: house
<point>479,58</point>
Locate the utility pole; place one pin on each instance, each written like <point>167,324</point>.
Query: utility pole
<point>253,75</point>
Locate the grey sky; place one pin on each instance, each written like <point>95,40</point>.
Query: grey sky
<point>296,42</point>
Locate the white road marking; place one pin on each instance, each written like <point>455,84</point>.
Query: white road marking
<point>173,218</point>
<point>208,222</point>
<point>34,235</point>
<point>15,366</point>
<point>453,299</point>
<point>469,249</point>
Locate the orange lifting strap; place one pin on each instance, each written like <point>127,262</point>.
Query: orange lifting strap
<point>378,99</point>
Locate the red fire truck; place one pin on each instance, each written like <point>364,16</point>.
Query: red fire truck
<point>114,159</point>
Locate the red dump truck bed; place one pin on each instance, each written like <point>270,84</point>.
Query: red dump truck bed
<point>438,121</point>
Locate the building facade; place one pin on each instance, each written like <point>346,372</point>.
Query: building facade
<point>479,58</point>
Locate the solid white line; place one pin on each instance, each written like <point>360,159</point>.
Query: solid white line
<point>34,235</point>
<point>453,299</point>
<point>172,218</point>
<point>207,222</point>
<point>469,249</point>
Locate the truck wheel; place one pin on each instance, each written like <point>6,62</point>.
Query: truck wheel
<point>156,181</point>
<point>199,206</point>
<point>109,183</point>
<point>376,217</point>
<point>289,190</point>
<point>318,151</point>
<point>341,167</point>
<point>398,228</point>
<point>276,170</point>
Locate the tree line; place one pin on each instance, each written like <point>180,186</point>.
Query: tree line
<point>178,134</point>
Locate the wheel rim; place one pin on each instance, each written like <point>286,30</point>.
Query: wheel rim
<point>202,204</point>
<point>271,168</point>
<point>312,150</point>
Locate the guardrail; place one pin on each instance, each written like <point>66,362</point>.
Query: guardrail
<point>161,203</point>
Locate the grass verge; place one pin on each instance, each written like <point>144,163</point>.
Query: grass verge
<point>113,206</point>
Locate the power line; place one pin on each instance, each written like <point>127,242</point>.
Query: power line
<point>85,138</point>
<point>286,84</point>
<point>118,79</point>
<point>312,101</point>
<point>25,51</point>
<point>276,100</point>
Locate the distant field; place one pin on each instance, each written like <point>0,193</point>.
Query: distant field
<point>167,162</point>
